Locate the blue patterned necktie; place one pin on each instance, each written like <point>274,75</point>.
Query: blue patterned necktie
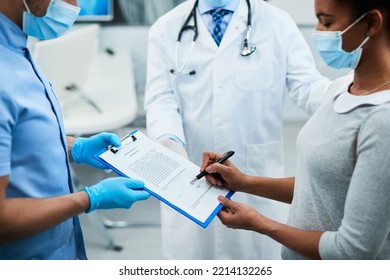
<point>217,32</point>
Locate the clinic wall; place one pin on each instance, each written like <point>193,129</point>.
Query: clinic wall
<point>301,10</point>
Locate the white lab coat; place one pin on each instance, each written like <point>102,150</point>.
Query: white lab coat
<point>231,103</point>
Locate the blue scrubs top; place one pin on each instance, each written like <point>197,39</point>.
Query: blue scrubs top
<point>33,150</point>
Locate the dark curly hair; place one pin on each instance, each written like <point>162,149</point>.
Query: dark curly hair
<point>360,7</point>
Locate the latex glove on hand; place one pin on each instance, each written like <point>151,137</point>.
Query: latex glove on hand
<point>84,149</point>
<point>173,146</point>
<point>115,193</point>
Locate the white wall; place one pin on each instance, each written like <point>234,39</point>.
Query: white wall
<point>301,10</point>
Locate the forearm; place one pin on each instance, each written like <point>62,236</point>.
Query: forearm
<point>161,104</point>
<point>304,242</point>
<point>22,217</point>
<point>279,189</point>
<point>241,216</point>
<point>70,141</point>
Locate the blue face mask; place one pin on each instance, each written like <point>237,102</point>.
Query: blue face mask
<point>329,45</point>
<point>59,17</point>
<point>217,3</point>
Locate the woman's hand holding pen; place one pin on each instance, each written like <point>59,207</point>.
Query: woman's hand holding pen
<point>233,214</point>
<point>228,177</point>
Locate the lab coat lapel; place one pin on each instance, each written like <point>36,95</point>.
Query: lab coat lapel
<point>237,25</point>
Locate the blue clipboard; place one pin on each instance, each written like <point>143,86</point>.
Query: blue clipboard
<point>202,224</point>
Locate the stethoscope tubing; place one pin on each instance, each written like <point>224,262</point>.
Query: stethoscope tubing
<point>194,28</point>
<point>181,68</point>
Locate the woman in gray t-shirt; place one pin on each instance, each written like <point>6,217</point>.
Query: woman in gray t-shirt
<point>340,198</point>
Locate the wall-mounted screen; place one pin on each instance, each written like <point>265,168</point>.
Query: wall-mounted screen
<point>96,10</point>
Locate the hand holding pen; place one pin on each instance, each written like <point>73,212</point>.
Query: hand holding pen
<point>225,175</point>
<point>221,160</point>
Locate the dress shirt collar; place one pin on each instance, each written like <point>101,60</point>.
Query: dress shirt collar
<point>205,8</point>
<point>11,36</point>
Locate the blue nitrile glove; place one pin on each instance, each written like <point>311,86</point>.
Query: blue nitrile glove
<point>84,149</point>
<point>114,193</point>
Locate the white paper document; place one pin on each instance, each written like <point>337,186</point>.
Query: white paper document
<point>167,176</point>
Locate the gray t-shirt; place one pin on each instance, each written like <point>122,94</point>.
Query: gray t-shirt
<point>348,198</point>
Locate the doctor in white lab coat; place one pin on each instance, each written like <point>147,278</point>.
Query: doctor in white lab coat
<point>223,101</point>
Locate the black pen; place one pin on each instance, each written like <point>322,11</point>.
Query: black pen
<point>222,159</point>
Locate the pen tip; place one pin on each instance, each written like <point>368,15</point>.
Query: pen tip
<point>193,181</point>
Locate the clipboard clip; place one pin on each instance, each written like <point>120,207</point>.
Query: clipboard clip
<point>114,149</point>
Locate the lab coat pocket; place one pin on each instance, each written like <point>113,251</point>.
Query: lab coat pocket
<point>253,72</point>
<point>265,159</point>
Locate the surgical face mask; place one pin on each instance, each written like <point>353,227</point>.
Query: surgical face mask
<point>59,17</point>
<point>329,44</point>
<point>217,3</point>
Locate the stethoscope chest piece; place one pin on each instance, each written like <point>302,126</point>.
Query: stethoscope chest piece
<point>247,49</point>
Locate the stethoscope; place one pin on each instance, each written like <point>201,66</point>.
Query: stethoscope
<point>246,50</point>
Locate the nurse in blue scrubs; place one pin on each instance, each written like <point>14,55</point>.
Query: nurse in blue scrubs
<point>38,207</point>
